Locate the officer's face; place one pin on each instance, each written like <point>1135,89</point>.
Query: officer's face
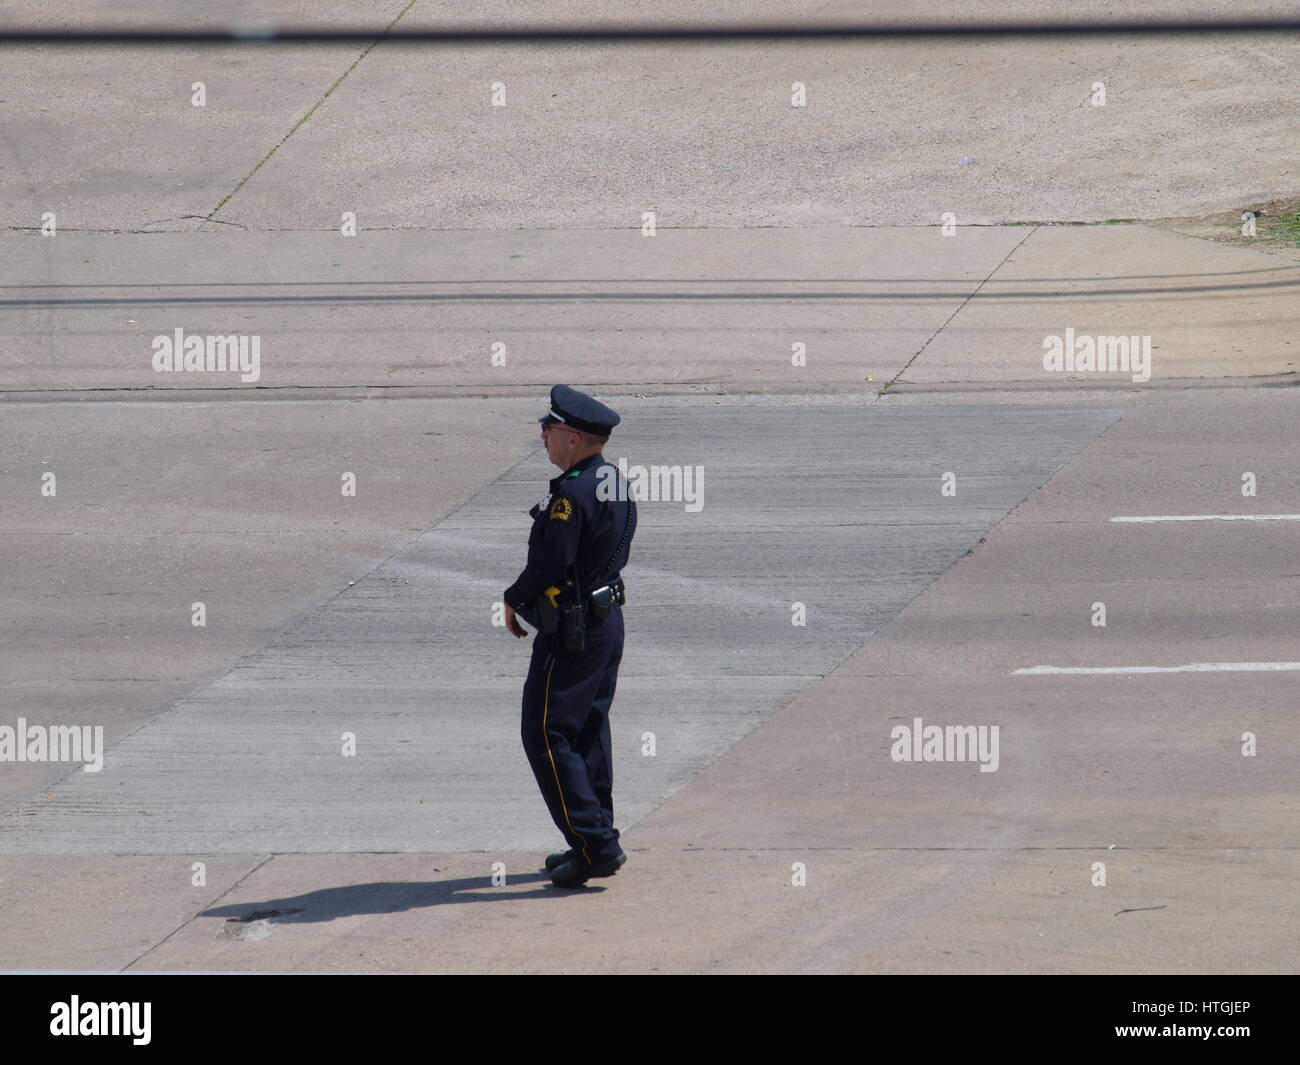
<point>561,444</point>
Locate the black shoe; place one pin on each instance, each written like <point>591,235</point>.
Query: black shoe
<point>576,872</point>
<point>554,861</point>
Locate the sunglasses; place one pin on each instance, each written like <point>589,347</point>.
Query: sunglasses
<point>547,428</point>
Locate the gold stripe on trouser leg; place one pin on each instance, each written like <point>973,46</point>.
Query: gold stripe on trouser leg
<point>546,709</point>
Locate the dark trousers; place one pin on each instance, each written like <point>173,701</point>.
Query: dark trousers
<point>565,730</point>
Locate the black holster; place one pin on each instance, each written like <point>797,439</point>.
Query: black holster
<point>548,616</point>
<point>566,616</point>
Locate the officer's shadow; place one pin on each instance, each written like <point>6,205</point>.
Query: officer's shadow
<point>393,897</point>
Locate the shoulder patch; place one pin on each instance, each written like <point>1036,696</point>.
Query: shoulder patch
<point>561,509</point>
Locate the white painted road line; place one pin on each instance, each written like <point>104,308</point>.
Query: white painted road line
<point>1195,667</point>
<point>1215,517</point>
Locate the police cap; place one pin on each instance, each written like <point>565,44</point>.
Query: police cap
<point>579,411</point>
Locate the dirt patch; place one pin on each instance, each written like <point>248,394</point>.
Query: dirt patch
<point>1277,227</point>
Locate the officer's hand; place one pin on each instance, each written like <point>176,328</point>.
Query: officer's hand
<point>512,624</point>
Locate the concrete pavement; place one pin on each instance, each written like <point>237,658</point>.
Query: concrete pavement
<point>772,830</point>
<point>776,310</point>
<point>592,136</point>
<point>909,867</point>
<point>842,512</point>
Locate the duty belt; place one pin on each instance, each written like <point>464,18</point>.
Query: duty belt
<point>550,606</point>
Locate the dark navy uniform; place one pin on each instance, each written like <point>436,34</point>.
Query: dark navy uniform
<point>582,531</point>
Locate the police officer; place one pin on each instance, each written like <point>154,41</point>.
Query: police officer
<point>572,592</point>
